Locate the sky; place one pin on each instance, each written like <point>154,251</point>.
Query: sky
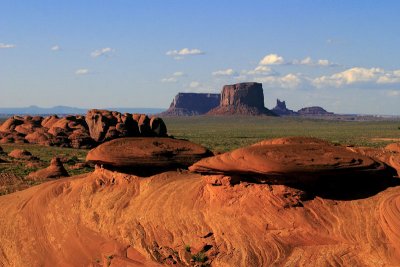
<point>341,55</point>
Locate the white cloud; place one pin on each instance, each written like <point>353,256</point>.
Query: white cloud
<point>290,81</point>
<point>173,78</point>
<point>178,74</point>
<point>102,52</point>
<point>5,46</point>
<point>55,48</point>
<point>352,76</point>
<point>272,59</point>
<point>307,61</point>
<point>227,72</point>
<point>169,80</point>
<point>179,54</point>
<point>264,70</point>
<point>390,77</point>
<point>82,71</point>
<point>194,84</point>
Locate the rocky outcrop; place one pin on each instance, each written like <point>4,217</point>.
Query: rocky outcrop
<point>242,99</point>
<point>21,154</point>
<point>79,131</point>
<point>313,111</point>
<point>281,109</point>
<point>145,156</point>
<point>316,167</point>
<point>55,170</point>
<point>189,104</point>
<point>394,147</point>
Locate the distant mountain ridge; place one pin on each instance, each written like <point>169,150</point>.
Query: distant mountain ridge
<point>60,110</point>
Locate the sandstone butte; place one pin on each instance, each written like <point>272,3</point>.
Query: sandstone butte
<point>242,99</point>
<point>109,218</point>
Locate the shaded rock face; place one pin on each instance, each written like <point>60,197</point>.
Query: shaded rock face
<point>79,131</point>
<point>241,99</point>
<point>144,156</point>
<point>189,104</point>
<point>313,111</point>
<point>281,109</point>
<point>316,167</point>
<point>55,170</point>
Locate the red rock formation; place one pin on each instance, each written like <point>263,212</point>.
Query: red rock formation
<point>281,109</point>
<point>55,170</point>
<point>9,125</point>
<point>241,99</point>
<point>313,111</point>
<point>78,131</point>
<point>147,155</point>
<point>21,154</point>
<point>316,167</point>
<point>394,147</point>
<point>190,104</point>
<point>119,219</point>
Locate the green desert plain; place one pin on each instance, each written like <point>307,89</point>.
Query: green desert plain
<point>219,134</point>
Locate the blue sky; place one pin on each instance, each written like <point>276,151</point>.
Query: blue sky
<point>342,55</point>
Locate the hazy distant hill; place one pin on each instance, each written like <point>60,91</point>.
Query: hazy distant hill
<point>33,110</point>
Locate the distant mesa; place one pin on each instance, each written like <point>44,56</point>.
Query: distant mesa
<point>281,109</point>
<point>189,104</point>
<point>242,99</point>
<point>312,111</point>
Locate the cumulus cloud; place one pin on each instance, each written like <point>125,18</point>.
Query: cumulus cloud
<point>82,71</point>
<point>102,52</point>
<point>355,75</point>
<point>260,70</point>
<point>55,48</point>
<point>272,59</point>
<point>179,54</point>
<point>289,81</point>
<point>227,72</point>
<point>5,46</point>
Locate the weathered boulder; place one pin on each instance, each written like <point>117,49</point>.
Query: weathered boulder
<point>281,109</point>
<point>310,166</point>
<point>313,111</point>
<point>49,121</point>
<point>80,132</point>
<point>21,154</point>
<point>11,123</point>
<point>39,137</point>
<point>189,104</point>
<point>158,127</point>
<point>147,155</point>
<point>55,170</point>
<point>98,122</point>
<point>242,99</point>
